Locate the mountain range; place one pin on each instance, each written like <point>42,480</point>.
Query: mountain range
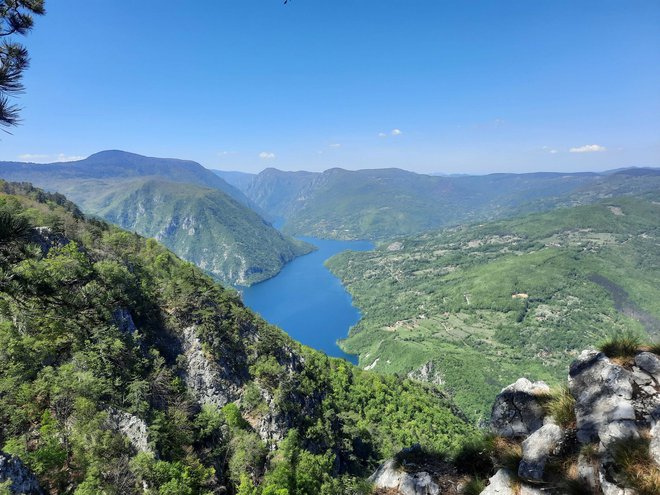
<point>190,209</point>
<point>382,203</point>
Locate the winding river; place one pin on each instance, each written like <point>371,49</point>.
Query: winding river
<point>307,301</point>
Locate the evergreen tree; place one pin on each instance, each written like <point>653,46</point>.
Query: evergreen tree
<point>15,18</point>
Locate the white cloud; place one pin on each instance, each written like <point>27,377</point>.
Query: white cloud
<point>588,148</point>
<point>334,145</point>
<point>226,153</point>
<point>547,149</point>
<point>393,132</point>
<point>43,158</point>
<point>266,155</point>
<point>552,152</point>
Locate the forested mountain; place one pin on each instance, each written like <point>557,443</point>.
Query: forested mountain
<point>474,307</point>
<point>126,370</point>
<point>115,164</point>
<point>192,211</point>
<point>377,204</point>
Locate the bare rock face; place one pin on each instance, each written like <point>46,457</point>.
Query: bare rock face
<point>537,448</point>
<point>47,239</point>
<point>209,381</point>
<point>389,476</point>
<point>517,411</point>
<point>603,392</point>
<point>22,479</point>
<point>124,320</point>
<point>132,427</point>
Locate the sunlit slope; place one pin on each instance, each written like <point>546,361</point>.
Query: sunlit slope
<point>381,203</point>
<point>476,307</point>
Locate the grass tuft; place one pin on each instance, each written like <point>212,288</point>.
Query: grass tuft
<point>475,456</point>
<point>622,345</point>
<point>654,348</point>
<point>633,460</point>
<point>507,454</point>
<point>560,405</point>
<point>474,487</point>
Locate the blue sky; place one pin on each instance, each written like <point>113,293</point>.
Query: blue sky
<point>426,85</point>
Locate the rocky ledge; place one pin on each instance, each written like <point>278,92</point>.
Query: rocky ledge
<point>598,436</point>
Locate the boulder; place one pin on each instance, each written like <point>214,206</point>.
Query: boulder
<point>650,363</point>
<point>536,448</point>
<point>22,479</point>
<point>505,483</point>
<point>603,393</point>
<point>517,411</point>
<point>390,476</point>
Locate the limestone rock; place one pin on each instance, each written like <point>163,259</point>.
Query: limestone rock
<point>517,412</point>
<point>603,392</point>
<point>504,483</point>
<point>650,363</point>
<point>124,320</point>
<point>654,446</point>
<point>22,479</point>
<point>536,448</point>
<point>207,379</point>
<point>132,427</point>
<point>388,475</point>
<point>587,471</point>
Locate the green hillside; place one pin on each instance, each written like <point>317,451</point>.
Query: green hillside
<point>474,308</point>
<point>188,208</point>
<point>125,370</point>
<point>201,225</point>
<point>379,204</point>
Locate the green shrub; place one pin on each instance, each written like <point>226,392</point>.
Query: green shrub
<point>622,345</point>
<point>474,487</point>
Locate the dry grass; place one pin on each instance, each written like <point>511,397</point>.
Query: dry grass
<point>560,405</point>
<point>633,459</point>
<point>507,454</point>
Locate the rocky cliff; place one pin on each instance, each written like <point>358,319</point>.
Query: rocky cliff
<point>599,435</point>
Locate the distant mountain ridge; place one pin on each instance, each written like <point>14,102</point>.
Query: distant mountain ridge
<point>190,209</point>
<point>382,203</point>
<point>116,163</point>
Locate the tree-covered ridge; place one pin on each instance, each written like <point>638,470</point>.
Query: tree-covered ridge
<point>188,208</point>
<point>382,203</point>
<point>124,369</point>
<point>201,225</point>
<point>473,308</point>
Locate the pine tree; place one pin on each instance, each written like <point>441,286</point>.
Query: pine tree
<point>15,19</point>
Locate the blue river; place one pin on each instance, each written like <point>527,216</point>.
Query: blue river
<point>307,301</point>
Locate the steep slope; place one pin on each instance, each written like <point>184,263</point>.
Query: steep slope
<point>506,297</point>
<point>384,203</point>
<point>124,369</point>
<point>192,211</point>
<point>201,225</point>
